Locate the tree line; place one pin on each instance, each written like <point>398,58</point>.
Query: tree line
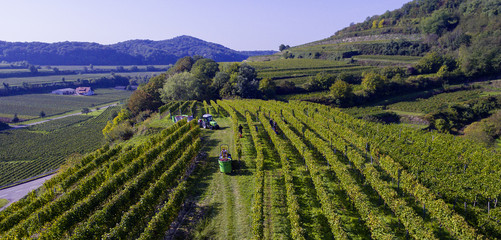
<point>198,78</point>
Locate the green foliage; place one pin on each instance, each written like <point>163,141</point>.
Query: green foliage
<point>373,82</point>
<point>432,62</point>
<point>381,23</point>
<point>321,81</point>
<point>485,131</point>
<point>439,22</point>
<point>205,69</point>
<point>182,65</point>
<point>141,101</point>
<point>182,86</point>
<point>119,127</point>
<point>342,91</point>
<point>460,115</point>
<point>267,88</point>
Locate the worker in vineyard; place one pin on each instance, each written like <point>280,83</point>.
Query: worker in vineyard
<point>240,129</point>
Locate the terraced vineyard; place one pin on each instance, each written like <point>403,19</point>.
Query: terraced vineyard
<point>299,70</point>
<point>301,171</point>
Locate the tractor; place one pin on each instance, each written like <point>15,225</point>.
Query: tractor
<point>208,121</point>
<point>224,159</point>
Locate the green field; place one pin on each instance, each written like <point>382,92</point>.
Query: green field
<point>18,81</point>
<point>51,104</point>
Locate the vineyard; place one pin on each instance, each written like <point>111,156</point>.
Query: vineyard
<point>42,148</point>
<point>301,171</point>
<point>51,104</point>
<point>299,70</point>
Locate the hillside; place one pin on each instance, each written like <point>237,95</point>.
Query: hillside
<point>466,30</point>
<point>132,52</point>
<point>299,171</point>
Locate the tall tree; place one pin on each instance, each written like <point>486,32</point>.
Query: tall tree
<point>181,86</point>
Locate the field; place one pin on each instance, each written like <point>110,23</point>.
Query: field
<point>18,81</point>
<point>300,171</point>
<point>30,105</point>
<point>41,148</point>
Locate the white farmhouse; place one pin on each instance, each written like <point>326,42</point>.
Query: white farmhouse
<point>84,91</point>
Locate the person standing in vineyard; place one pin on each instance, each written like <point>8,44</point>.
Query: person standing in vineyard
<point>240,130</point>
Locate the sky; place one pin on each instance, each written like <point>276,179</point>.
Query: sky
<point>237,24</point>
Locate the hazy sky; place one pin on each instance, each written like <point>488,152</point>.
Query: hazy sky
<point>237,24</point>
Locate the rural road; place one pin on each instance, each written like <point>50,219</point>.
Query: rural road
<point>15,193</point>
<point>51,119</point>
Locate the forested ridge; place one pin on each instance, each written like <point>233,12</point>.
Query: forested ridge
<point>132,52</point>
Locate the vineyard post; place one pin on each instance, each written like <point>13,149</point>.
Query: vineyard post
<point>424,211</point>
<point>465,208</point>
<point>398,181</point>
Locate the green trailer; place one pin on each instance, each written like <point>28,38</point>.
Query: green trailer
<point>225,159</point>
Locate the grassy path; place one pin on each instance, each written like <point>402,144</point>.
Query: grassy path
<point>226,198</point>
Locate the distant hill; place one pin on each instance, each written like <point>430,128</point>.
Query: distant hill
<point>132,52</point>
